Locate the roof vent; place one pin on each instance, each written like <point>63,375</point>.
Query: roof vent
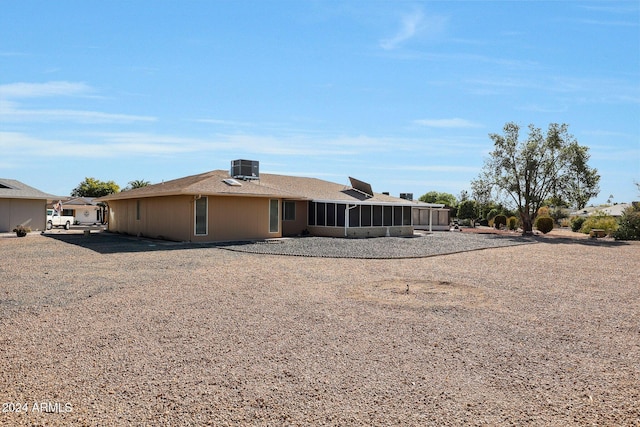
<point>245,169</point>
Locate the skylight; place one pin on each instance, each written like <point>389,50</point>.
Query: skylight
<point>232,182</point>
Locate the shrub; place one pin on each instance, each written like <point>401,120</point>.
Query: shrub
<point>576,223</point>
<point>565,222</point>
<point>544,224</point>
<point>629,227</point>
<point>492,213</point>
<point>512,223</point>
<point>21,230</point>
<point>499,221</point>
<point>600,221</point>
<point>544,211</point>
<point>483,222</point>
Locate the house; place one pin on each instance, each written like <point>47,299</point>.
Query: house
<point>221,206</point>
<point>84,209</point>
<point>612,210</point>
<point>21,204</point>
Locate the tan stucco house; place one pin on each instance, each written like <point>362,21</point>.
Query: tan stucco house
<point>220,206</point>
<point>21,204</point>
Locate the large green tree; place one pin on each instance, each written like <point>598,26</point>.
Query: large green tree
<point>437,197</point>
<point>542,166</point>
<point>92,187</point>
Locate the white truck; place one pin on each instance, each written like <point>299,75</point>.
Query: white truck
<point>58,220</point>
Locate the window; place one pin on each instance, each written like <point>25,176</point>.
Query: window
<point>137,210</point>
<point>406,215</point>
<point>289,209</point>
<point>312,213</point>
<point>397,215</point>
<point>340,209</point>
<point>331,214</point>
<point>320,213</point>
<point>354,217</point>
<point>365,218</point>
<point>377,215</point>
<point>387,216</point>
<point>201,216</point>
<point>274,217</point>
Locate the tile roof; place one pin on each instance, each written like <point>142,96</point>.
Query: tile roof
<point>269,185</point>
<point>12,189</point>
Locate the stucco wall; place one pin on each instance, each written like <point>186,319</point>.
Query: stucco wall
<point>159,217</point>
<point>27,212</point>
<point>299,224</point>
<point>239,218</point>
<point>172,218</point>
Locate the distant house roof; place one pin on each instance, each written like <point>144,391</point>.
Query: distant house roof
<point>12,189</point>
<point>614,210</point>
<point>78,201</point>
<point>219,183</point>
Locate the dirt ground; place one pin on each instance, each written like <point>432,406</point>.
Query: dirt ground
<point>109,330</point>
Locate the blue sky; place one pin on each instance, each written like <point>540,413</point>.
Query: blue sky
<point>400,94</point>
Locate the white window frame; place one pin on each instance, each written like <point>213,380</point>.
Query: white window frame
<point>277,222</point>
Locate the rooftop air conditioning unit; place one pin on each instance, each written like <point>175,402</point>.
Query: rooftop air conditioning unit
<point>406,196</point>
<point>245,169</point>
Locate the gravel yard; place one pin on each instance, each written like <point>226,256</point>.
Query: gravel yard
<point>113,330</point>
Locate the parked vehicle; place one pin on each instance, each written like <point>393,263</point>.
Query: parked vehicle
<point>58,220</point>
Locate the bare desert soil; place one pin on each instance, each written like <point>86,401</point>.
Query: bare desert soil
<point>124,331</point>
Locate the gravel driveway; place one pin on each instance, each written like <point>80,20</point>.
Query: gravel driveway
<point>111,330</point>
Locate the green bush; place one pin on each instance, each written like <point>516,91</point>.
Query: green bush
<point>512,223</point>
<point>600,221</point>
<point>544,224</point>
<point>576,223</point>
<point>492,214</point>
<point>499,221</point>
<point>629,227</point>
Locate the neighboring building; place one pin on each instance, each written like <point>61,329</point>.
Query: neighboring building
<point>432,217</point>
<point>215,206</point>
<point>21,205</point>
<point>84,209</point>
<point>612,210</point>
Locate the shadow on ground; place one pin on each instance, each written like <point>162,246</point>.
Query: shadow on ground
<point>111,243</point>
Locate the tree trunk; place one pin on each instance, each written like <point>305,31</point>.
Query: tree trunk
<point>527,223</point>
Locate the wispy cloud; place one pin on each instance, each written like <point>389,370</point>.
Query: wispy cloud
<point>412,25</point>
<point>37,90</point>
<point>10,112</point>
<point>447,123</point>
